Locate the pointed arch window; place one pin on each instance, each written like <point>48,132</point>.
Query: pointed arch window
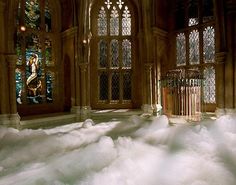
<point>195,43</point>
<point>35,67</point>
<point>114,51</point>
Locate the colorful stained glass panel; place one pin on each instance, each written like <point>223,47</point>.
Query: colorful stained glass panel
<point>19,86</point>
<point>49,86</point>
<point>32,14</point>
<point>48,52</point>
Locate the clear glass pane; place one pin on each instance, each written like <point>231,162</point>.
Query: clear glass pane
<point>114,22</point>
<point>209,44</point>
<point>48,19</point>
<point>102,22</point>
<point>114,53</point>
<point>48,52</point>
<point>209,85</point>
<point>115,85</point>
<point>126,22</point>
<point>34,70</point>
<point>32,14</point>
<point>102,47</point>
<point>19,86</point>
<point>49,86</point>
<point>127,86</point>
<point>103,86</point>
<point>194,47</point>
<point>181,49</point>
<point>126,53</point>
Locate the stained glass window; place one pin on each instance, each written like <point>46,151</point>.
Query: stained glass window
<point>126,53</point>
<point>48,52</point>
<point>114,51</point>
<point>49,86</point>
<point>209,85</point>
<point>32,14</point>
<point>181,49</point>
<point>194,47</point>
<point>126,22</point>
<point>209,44</point>
<point>48,19</point>
<point>102,22</point>
<point>114,22</point>
<point>19,86</point>
<point>34,50</point>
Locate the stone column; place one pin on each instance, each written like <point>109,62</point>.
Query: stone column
<point>147,106</point>
<point>85,108</point>
<point>13,115</point>
<point>220,82</point>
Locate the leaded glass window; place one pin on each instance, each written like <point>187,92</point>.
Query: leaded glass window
<point>181,49</point>
<point>126,51</point>
<point>209,44</point>
<point>126,22</point>
<point>196,24</point>
<point>194,47</point>
<point>114,53</point>
<point>102,22</point>
<point>114,49</point>
<point>35,66</point>
<point>114,22</point>
<point>209,85</point>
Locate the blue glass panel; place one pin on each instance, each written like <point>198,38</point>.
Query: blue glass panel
<point>48,19</point>
<point>49,86</point>
<point>19,86</point>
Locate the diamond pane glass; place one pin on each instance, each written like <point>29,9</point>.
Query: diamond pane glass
<point>194,47</point>
<point>19,86</point>
<point>48,19</point>
<point>32,14</point>
<point>34,70</point>
<point>127,86</point>
<point>209,44</point>
<point>102,22</point>
<point>49,86</point>
<point>181,49</point>
<point>102,47</point>
<point>114,53</point>
<point>209,85</point>
<point>103,86</point>
<point>126,53</point>
<point>114,22</point>
<point>126,22</point>
<point>115,85</point>
<point>48,52</point>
